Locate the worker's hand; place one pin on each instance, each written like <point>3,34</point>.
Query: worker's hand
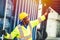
<point>47,12</point>
<point>3,32</point>
<point>44,16</point>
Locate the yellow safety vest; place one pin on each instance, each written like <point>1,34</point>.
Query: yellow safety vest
<point>22,37</point>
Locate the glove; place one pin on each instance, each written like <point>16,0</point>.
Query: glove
<point>3,32</point>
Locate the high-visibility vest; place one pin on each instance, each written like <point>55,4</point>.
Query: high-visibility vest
<point>22,37</point>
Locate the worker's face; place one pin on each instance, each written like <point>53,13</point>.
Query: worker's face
<point>26,20</point>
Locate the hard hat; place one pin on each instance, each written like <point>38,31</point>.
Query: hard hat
<point>22,15</point>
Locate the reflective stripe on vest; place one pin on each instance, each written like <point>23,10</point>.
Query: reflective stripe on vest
<point>22,34</point>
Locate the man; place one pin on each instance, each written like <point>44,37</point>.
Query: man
<point>24,31</point>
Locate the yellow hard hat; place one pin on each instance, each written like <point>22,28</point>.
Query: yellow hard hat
<point>22,15</point>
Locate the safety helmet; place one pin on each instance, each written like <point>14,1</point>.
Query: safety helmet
<point>22,15</point>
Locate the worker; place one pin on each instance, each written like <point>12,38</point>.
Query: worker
<point>24,31</point>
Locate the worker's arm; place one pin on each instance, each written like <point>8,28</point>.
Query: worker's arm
<point>13,34</point>
<point>39,20</point>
